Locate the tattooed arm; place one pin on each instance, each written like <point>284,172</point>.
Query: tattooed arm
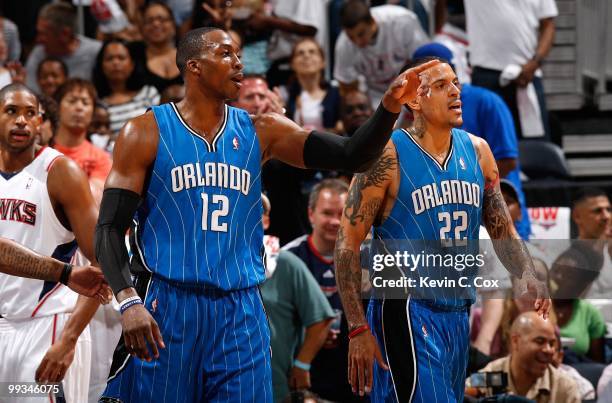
<point>17,260</point>
<point>365,205</point>
<point>509,247</point>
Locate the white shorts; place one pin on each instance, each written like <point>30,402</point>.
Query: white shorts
<point>105,330</point>
<point>24,343</point>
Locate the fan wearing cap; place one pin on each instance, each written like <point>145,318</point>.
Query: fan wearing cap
<point>486,115</point>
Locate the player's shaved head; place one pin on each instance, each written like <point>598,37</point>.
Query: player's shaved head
<point>191,45</point>
<point>16,87</point>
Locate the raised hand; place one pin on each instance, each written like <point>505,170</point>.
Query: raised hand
<point>407,86</point>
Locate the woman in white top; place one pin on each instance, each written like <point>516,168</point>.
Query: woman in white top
<point>120,86</point>
<point>11,72</point>
<point>313,103</point>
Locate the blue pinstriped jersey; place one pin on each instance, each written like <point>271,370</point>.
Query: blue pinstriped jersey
<point>436,201</point>
<point>200,222</point>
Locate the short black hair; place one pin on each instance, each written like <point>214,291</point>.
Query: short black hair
<point>353,12</point>
<point>14,87</point>
<point>52,59</point>
<point>190,46</point>
<point>587,193</point>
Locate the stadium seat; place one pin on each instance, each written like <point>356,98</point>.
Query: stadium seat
<point>542,160</point>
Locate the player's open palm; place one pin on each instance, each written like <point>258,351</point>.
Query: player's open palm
<point>89,281</point>
<point>363,350</point>
<point>140,330</point>
<point>56,362</point>
<point>411,83</point>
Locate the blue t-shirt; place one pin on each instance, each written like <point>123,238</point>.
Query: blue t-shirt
<point>486,115</point>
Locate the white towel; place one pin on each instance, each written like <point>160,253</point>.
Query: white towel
<point>530,114</point>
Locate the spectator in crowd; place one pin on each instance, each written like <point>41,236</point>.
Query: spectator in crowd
<point>298,312</point>
<point>313,102</point>
<point>586,389</point>
<point>11,37</point>
<point>112,21</point>
<point>57,27</point>
<point>173,93</point>
<point>99,132</point>
<point>576,269</point>
<point>485,115</point>
<point>283,183</point>
<point>51,73</point>
<point>256,97</point>
<point>50,120</point>
<point>156,56</point>
<point>120,86</point>
<point>604,386</point>
<point>529,365</point>
<point>10,71</point>
<point>509,41</point>
<point>76,99</point>
<point>374,43</point>
<point>581,321</point>
<point>355,109</point>
<point>291,20</point>
<point>325,207</point>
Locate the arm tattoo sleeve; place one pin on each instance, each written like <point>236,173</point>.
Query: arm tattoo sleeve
<point>346,257</point>
<point>19,261</point>
<point>376,176</point>
<point>509,247</point>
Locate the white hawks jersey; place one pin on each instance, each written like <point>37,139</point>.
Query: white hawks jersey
<point>27,217</point>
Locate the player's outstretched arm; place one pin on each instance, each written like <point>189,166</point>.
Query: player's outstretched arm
<point>364,205</point>
<point>18,260</point>
<point>509,247</point>
<point>69,191</point>
<point>282,139</point>
<point>133,154</point>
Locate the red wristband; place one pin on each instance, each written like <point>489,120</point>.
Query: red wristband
<point>358,331</point>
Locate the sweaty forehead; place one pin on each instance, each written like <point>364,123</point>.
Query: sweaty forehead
<point>22,99</point>
<point>217,38</point>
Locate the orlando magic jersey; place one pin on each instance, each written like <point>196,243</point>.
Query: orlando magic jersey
<point>200,222</point>
<point>437,204</point>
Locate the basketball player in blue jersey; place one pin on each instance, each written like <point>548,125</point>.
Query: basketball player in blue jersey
<point>188,174</point>
<point>420,345</point>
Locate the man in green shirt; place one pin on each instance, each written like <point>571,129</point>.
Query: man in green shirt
<point>298,312</point>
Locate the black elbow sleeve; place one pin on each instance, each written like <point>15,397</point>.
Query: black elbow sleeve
<point>354,154</point>
<point>116,212</point>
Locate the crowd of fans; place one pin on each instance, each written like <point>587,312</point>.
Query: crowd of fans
<point>324,64</point>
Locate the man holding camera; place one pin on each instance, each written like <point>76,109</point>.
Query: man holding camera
<point>529,365</point>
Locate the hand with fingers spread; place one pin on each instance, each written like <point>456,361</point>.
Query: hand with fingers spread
<point>89,281</point>
<point>56,361</point>
<point>407,86</point>
<point>274,102</point>
<point>363,350</point>
<point>141,333</point>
